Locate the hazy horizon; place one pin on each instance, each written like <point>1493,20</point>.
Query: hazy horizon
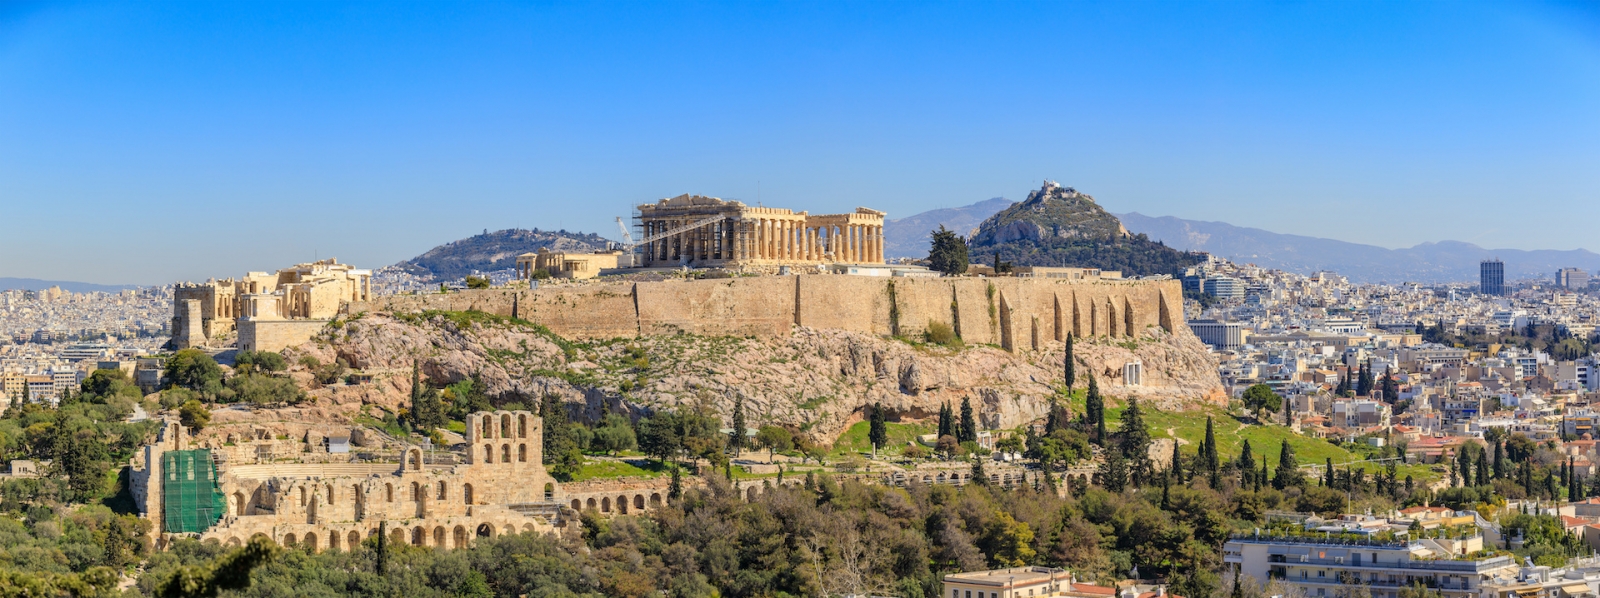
<point>149,143</point>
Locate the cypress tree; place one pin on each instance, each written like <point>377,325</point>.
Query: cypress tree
<point>878,428</point>
<point>1499,460</point>
<point>1481,473</point>
<point>969,425</point>
<point>1327,475</point>
<point>1114,472</point>
<point>1070,368</point>
<point>1247,467</point>
<point>1288,468</point>
<point>381,563</point>
<point>1209,449</point>
<point>736,435</point>
<point>1175,470</point>
<point>1134,442</point>
<point>946,425</point>
<point>1261,480</point>
<point>675,488</point>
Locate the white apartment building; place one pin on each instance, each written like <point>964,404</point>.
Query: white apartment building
<point>1328,568</point>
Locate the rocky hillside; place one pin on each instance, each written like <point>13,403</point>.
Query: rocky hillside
<point>1058,226</point>
<point>496,250</point>
<point>813,380</point>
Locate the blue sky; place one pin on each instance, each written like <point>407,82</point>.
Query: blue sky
<point>151,142</point>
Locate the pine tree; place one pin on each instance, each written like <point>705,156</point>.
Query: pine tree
<point>1247,466</point>
<point>878,428</point>
<point>1288,469</point>
<point>1070,373</point>
<point>736,435</point>
<point>947,252</point>
<point>1391,389</point>
<point>969,424</point>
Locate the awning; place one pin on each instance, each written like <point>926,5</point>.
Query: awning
<point>1576,589</point>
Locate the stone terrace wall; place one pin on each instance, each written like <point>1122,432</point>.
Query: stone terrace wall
<point>1014,313</point>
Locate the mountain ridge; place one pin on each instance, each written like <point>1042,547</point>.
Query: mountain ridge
<point>495,250</point>
<point>35,284</point>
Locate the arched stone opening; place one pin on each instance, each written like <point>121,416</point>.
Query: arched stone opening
<point>466,493</point>
<point>549,491</point>
<point>522,453</point>
<point>442,487</point>
<point>488,427</point>
<point>398,536</point>
<point>655,500</point>
<point>505,425</point>
<point>289,540</point>
<point>577,506</point>
<point>522,426</point>
<point>354,539</point>
<point>438,536</point>
<point>310,541</point>
<point>488,453</point>
<point>238,504</point>
<point>605,504</point>
<point>418,537</point>
<point>638,501</point>
<point>416,491</point>
<point>485,530</point>
<point>505,453</point>
<point>591,503</point>
<point>233,542</point>
<point>509,530</point>
<point>388,492</point>
<point>751,494</point>
<point>333,540</point>
<point>414,457</point>
<point>461,537</point>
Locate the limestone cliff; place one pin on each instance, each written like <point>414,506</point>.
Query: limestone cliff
<point>815,380</point>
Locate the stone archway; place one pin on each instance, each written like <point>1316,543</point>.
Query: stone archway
<point>355,539</point>
<point>310,541</point>
<point>638,501</point>
<point>233,542</point>
<point>460,537</point>
<point>622,505</point>
<point>485,530</point>
<point>655,500</point>
<point>289,540</point>
<point>418,537</point>
<point>238,504</point>
<point>438,536</point>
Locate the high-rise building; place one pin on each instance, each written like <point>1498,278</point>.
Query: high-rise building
<point>1572,278</point>
<point>1492,277</point>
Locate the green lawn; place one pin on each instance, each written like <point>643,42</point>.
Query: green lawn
<point>595,470</point>
<point>1265,441</point>
<point>854,440</point>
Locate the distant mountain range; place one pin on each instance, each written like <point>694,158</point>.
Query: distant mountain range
<point>1443,261</point>
<point>34,284</point>
<point>909,236</point>
<point>496,250</point>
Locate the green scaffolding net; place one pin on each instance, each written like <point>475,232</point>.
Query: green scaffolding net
<point>191,499</point>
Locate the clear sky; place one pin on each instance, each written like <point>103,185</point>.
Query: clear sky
<point>147,142</point>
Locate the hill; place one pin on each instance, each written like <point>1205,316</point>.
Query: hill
<point>1444,261</point>
<point>34,284</point>
<point>496,250</point>
<point>1058,226</point>
<point>909,236</point>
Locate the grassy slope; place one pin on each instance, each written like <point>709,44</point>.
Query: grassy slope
<point>854,440</point>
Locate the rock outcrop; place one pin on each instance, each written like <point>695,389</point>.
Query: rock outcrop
<point>814,380</point>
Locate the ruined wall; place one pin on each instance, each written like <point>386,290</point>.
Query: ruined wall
<point>1014,313</point>
<point>276,335</point>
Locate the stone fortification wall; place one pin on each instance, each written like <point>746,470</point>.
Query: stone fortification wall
<point>1014,313</point>
<point>276,335</point>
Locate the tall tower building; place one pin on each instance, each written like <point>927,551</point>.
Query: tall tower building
<point>1572,279</point>
<point>1492,277</point>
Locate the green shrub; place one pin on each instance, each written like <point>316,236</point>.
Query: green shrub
<point>940,333</point>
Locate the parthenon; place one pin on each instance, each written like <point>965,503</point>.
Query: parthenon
<point>707,231</point>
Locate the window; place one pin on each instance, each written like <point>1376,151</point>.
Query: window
<point>1322,573</point>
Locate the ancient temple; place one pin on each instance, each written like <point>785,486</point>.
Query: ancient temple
<point>694,230</point>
